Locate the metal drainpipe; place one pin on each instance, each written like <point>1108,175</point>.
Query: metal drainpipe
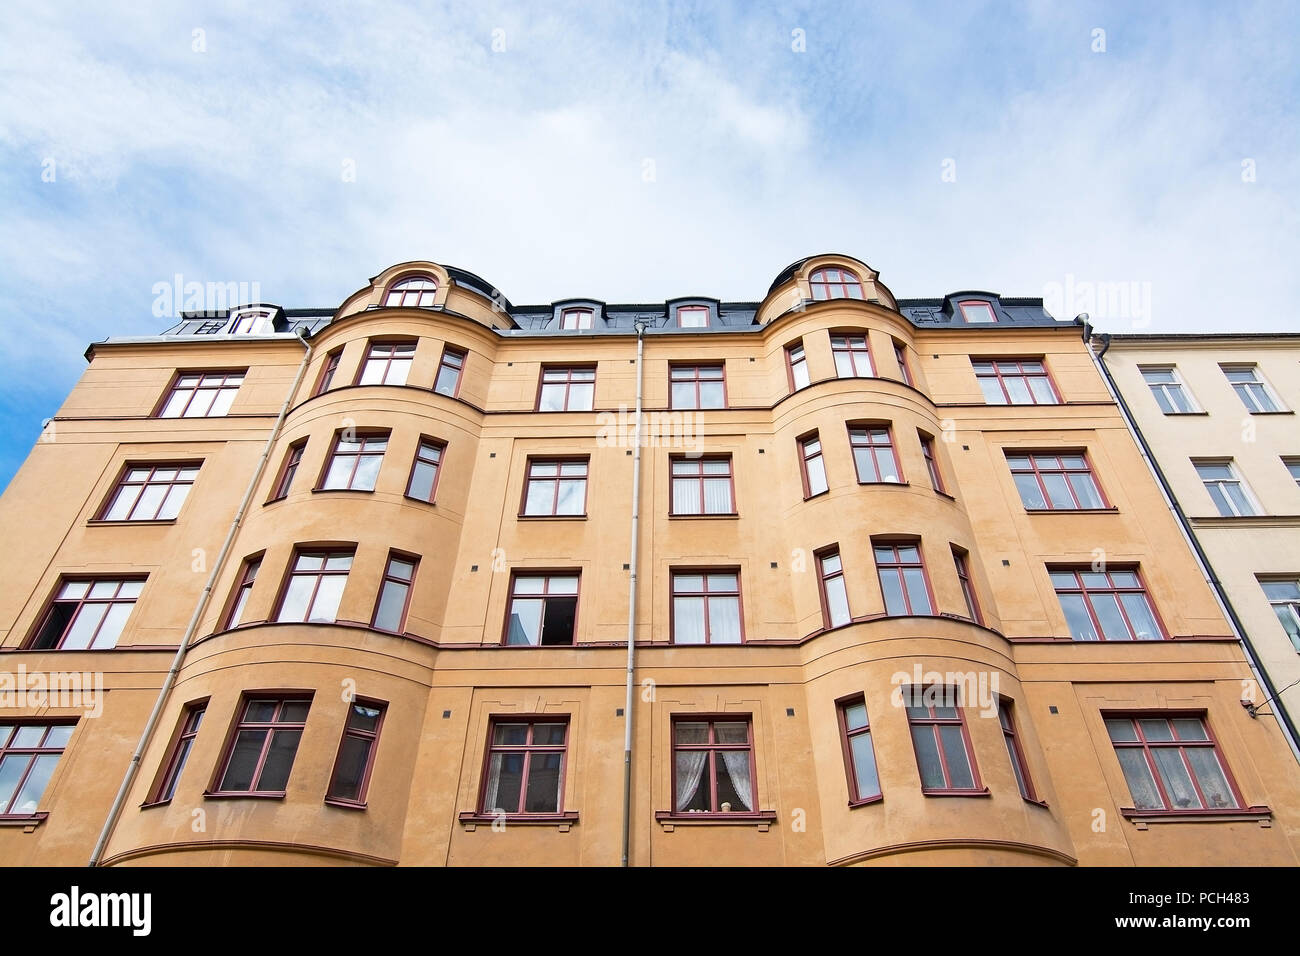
<point>1185,526</point>
<point>133,768</point>
<point>631,603</point>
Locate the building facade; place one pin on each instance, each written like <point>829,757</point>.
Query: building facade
<point>1218,414</point>
<point>906,593</point>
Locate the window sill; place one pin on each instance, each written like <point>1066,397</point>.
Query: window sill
<point>732,515</point>
<point>818,495</point>
<point>1036,803</point>
<point>345,804</point>
<point>343,491</point>
<point>1142,818</point>
<point>28,821</point>
<point>1280,411</point>
<point>581,517</point>
<point>944,494</point>
<point>1072,511</point>
<point>898,484</point>
<point>150,804</point>
<point>419,500</point>
<point>762,819</point>
<point>985,792</point>
<point>471,820</point>
<point>878,798</point>
<point>250,794</point>
<point>1180,414</point>
<point>104,522</point>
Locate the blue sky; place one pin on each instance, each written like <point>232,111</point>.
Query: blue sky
<point>634,152</point>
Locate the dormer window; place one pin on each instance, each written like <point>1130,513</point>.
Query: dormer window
<point>575,319</point>
<point>977,311</point>
<point>251,322</point>
<point>693,317</point>
<point>412,292</point>
<point>835,283</point>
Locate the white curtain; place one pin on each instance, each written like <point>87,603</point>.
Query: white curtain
<point>690,767</point>
<point>738,770</point>
<point>717,496</point>
<point>493,782</point>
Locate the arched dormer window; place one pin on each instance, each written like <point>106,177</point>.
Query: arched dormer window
<point>412,291</point>
<point>250,322</point>
<point>833,282</point>
<point>575,319</point>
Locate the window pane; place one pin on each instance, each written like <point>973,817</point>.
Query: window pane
<point>686,496</point>
<point>954,750</point>
<point>864,766</point>
<point>541,498</point>
<point>422,481</point>
<point>111,627</point>
<point>688,620</point>
<point>392,601</point>
<point>572,497</point>
<point>1042,391</point>
<point>243,760</point>
<point>691,732</point>
<point>1076,616</point>
<point>562,584</point>
<point>525,621</point>
<point>34,787</point>
<point>510,734</point>
<point>1140,783</point>
<point>12,769</point>
<point>837,601</point>
<point>549,733</point>
<point>717,496</point>
<point>294,710</point>
<point>505,781</point>
<point>1120,729</point>
<point>83,628</point>
<point>816,476</point>
<point>367,473</point>
<point>346,784</point>
<point>1017,389</point>
<point>1140,616</point>
<point>917,592</point>
<point>1113,628</point>
<point>279,759</point>
<point>1178,783</point>
<point>543,784</point>
<point>927,757</point>
<point>855,716</point>
<point>326,606</point>
<point>1210,776</point>
<point>1030,493</point>
<point>1058,491</point>
<point>58,736</point>
<point>892,587</point>
<point>580,397</point>
<point>724,620</point>
<point>711,395</point>
<point>1086,491</point>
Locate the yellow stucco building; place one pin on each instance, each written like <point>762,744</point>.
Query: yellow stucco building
<point>360,582</point>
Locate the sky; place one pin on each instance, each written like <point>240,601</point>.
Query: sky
<point>1137,161</point>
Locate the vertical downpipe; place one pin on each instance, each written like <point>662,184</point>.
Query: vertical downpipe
<point>631,603</point>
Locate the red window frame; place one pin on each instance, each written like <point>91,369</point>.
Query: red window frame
<point>707,593</point>
<point>581,319</point>
<point>710,769</point>
<point>867,436</point>
<point>142,485</point>
<point>293,571</point>
<point>269,728</point>
<point>327,372</point>
<point>1057,466</point>
<point>428,452</point>
<point>694,375</point>
<point>694,310</point>
<point>900,356</point>
<point>932,720</point>
<point>559,464</point>
<point>825,576</point>
<point>218,382</point>
<point>526,750</point>
<point>565,377</point>
<point>847,736</point>
<point>835,282</point>
<point>452,364</point>
<point>369,737</point>
<point>418,291</point>
<point>370,445</point>
<point>996,373</point>
<point>42,747</point>
<point>856,350</point>
<point>178,753</point>
<point>977,304</point>
<point>544,595</point>
<point>889,559</point>
<point>388,354</point>
<point>1182,745</point>
<point>800,362</point>
<point>1087,591</point>
<point>680,470</point>
<point>805,456</point>
<point>238,601</point>
<point>931,461</point>
<point>1011,736</point>
<point>288,469</point>
<point>80,603</point>
<point>961,560</point>
<point>394,578</point>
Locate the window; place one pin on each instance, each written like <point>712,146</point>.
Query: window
<point>1019,766</point>
<point>859,753</point>
<point>1293,468</point>
<point>1251,388</point>
<point>356,757</point>
<point>1168,390</point>
<point>315,586</point>
<point>1015,382</point>
<point>834,284</point>
<point>703,486</point>
<point>698,386</point>
<point>28,755</point>
<point>902,579</point>
<point>251,322</point>
<point>87,614</point>
<point>1055,482</point>
<point>575,319</point>
<point>151,492</point>
<point>387,363</point>
<point>797,363</point>
<point>543,609</point>
<point>713,766</point>
<point>931,461</point>
<point>693,316</point>
<point>449,369</point>
<point>1171,763</point>
<point>327,372</point>
<point>354,463</point>
<point>239,600</point>
<point>263,744</point>
<point>943,751</point>
<point>813,466</point>
<point>834,594</point>
<point>962,563</point>
<point>555,488</point>
<point>287,471</point>
<point>191,718</point>
<point>566,390</point>
<point>201,394</point>
<point>852,356</point>
<point>1284,597</point>
<point>977,311</point>
<point>1226,489</point>
<point>424,470</point>
<point>395,593</point>
<point>706,607</point>
<point>412,292</point>
<point>873,455</point>
<point>525,766</point>
<point>900,356</point>
<point>1106,605</point>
